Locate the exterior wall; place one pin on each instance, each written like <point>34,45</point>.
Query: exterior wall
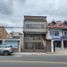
<point>35,28</point>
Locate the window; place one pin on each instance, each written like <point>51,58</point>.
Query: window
<point>65,33</point>
<point>35,26</point>
<point>54,33</point>
<point>57,44</point>
<point>0,42</point>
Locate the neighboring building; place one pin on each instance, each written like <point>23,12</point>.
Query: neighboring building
<point>16,40</point>
<point>3,33</point>
<point>64,35</point>
<point>13,39</point>
<point>35,29</point>
<point>57,33</point>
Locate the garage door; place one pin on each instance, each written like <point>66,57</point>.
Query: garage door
<point>13,43</point>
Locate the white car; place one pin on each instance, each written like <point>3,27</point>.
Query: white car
<point>6,50</point>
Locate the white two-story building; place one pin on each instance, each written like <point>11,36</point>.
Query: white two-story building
<point>56,34</point>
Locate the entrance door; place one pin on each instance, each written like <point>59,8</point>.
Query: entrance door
<point>57,45</point>
<point>65,44</point>
<point>38,46</point>
<point>34,46</point>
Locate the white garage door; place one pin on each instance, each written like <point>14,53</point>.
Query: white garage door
<point>13,43</point>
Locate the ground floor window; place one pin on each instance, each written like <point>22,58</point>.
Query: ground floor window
<point>33,45</point>
<point>0,42</point>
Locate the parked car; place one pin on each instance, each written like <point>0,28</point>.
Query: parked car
<point>6,50</point>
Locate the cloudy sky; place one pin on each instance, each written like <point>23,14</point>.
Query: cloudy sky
<point>12,11</point>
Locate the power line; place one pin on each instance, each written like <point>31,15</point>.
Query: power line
<point>9,27</point>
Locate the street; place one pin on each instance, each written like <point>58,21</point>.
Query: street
<point>33,61</point>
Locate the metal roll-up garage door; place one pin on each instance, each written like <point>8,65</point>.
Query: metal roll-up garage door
<point>14,44</point>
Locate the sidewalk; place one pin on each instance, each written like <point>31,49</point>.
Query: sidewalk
<point>40,53</point>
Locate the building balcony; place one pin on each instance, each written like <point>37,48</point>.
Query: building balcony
<point>57,38</point>
<point>35,30</point>
<point>54,37</point>
<point>33,41</point>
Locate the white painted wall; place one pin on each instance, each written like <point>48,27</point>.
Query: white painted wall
<point>48,36</point>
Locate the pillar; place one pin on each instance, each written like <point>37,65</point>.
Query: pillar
<point>52,46</point>
<point>19,46</point>
<point>3,42</point>
<point>62,45</point>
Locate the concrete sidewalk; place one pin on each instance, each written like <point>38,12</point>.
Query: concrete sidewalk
<point>39,53</point>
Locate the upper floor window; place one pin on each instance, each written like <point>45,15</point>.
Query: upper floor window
<point>54,33</point>
<point>35,26</point>
<point>65,33</point>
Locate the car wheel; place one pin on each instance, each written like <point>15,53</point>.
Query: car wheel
<point>6,53</point>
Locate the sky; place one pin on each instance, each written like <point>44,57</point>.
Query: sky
<point>13,11</point>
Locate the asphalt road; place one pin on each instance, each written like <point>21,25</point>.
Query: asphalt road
<point>33,61</point>
<point>31,65</point>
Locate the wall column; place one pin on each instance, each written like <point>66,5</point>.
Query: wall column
<point>19,46</point>
<point>62,44</point>
<point>52,46</point>
<point>3,42</point>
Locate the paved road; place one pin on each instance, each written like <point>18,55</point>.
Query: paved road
<point>35,58</point>
<point>31,65</point>
<point>33,61</point>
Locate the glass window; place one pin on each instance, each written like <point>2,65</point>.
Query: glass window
<point>54,33</point>
<point>57,44</point>
<point>0,42</point>
<point>65,33</point>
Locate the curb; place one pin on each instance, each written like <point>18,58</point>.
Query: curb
<point>49,53</point>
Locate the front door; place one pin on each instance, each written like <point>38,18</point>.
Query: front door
<point>65,44</point>
<point>57,45</point>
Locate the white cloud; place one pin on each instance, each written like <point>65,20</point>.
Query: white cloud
<point>12,11</point>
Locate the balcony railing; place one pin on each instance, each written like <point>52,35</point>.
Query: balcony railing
<point>35,30</point>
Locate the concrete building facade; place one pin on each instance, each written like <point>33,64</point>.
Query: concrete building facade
<point>35,30</point>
